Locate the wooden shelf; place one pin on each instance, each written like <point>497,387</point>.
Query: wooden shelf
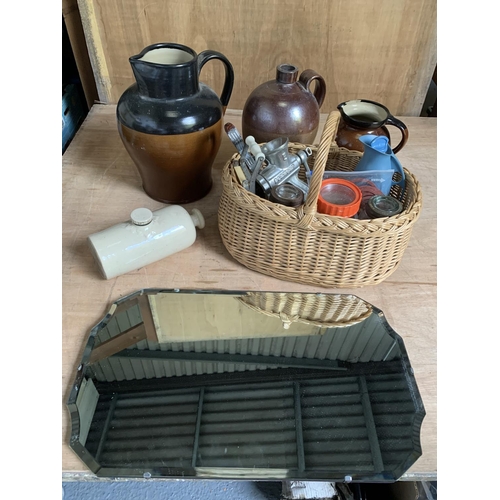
<point>101,187</point>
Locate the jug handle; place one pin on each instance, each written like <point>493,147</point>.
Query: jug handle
<point>391,120</point>
<point>207,55</point>
<point>307,77</point>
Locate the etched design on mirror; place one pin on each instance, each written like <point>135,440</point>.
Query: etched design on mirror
<point>213,384</point>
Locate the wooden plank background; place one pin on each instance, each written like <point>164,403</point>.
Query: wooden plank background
<point>384,50</point>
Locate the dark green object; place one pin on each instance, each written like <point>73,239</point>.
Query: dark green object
<point>383,206</point>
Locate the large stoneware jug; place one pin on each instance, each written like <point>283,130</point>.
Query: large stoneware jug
<point>170,123</point>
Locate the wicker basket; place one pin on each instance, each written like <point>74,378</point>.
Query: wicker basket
<point>323,310</point>
<point>301,245</point>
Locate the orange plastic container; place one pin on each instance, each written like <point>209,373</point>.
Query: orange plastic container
<point>339,197</point>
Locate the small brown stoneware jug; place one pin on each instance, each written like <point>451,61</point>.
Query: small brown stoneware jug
<point>362,117</point>
<point>285,107</point>
<point>170,123</point>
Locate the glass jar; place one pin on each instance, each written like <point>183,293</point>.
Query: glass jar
<point>382,206</point>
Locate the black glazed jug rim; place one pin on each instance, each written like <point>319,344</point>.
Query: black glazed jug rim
<point>164,45</point>
<point>363,124</point>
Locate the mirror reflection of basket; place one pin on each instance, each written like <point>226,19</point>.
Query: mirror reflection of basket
<point>301,245</point>
<point>326,311</point>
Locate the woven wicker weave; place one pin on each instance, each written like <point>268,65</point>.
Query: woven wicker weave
<point>301,245</point>
<point>326,311</point>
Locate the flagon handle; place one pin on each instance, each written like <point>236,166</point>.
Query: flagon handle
<point>327,136</point>
<point>307,77</point>
<point>207,55</point>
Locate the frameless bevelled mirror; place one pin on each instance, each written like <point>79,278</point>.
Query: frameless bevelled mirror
<point>255,385</point>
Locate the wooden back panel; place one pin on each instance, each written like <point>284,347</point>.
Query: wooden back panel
<point>384,50</point>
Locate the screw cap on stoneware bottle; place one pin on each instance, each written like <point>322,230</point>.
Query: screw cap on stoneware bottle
<point>141,216</point>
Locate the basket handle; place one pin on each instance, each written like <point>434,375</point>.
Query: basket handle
<point>327,136</point>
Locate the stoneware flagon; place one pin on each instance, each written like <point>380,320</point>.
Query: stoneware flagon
<point>363,117</point>
<point>170,123</point>
<point>285,107</point>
